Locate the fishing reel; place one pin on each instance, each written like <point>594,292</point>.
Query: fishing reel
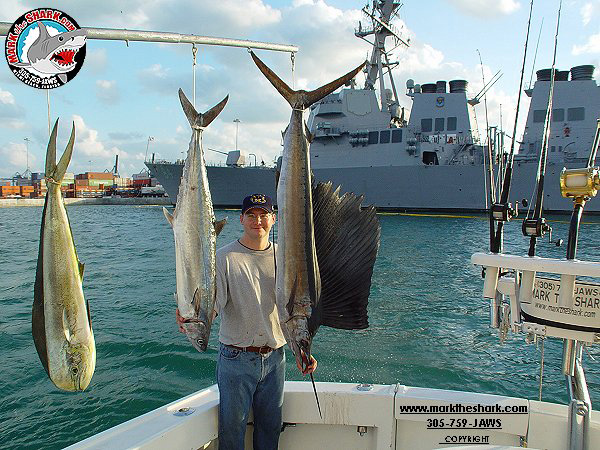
<point>504,212</point>
<point>536,228</point>
<point>580,183</point>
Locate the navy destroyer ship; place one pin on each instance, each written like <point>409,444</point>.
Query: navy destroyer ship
<point>434,159</point>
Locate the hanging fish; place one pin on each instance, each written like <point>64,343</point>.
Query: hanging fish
<point>61,321</point>
<point>327,245</point>
<point>195,232</point>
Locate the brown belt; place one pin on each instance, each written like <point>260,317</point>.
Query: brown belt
<point>261,350</point>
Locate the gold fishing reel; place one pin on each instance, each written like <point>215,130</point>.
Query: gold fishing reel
<point>580,183</point>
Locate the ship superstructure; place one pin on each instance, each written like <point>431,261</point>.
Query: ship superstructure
<point>434,159</point>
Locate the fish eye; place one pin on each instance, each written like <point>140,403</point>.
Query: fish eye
<point>200,341</point>
<point>60,38</point>
<point>74,370</point>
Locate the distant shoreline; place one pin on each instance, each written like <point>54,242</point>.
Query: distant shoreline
<point>24,202</point>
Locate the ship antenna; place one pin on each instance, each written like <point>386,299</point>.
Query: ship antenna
<point>503,211</point>
<point>537,226</point>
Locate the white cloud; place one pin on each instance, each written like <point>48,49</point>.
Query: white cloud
<point>96,60</point>
<point>486,8</point>
<point>587,11</point>
<point>15,156</point>
<point>591,46</point>
<point>107,92</point>
<point>11,113</point>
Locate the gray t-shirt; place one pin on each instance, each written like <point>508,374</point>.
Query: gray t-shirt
<point>246,297</point>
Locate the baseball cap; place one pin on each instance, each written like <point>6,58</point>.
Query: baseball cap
<point>257,201</point>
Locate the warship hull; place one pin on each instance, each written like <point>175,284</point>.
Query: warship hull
<point>449,188</point>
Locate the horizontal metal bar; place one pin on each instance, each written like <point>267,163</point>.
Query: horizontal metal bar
<point>113,34</point>
<point>536,264</point>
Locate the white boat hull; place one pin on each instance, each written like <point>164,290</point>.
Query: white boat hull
<point>354,419</point>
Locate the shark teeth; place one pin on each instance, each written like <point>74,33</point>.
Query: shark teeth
<point>64,57</point>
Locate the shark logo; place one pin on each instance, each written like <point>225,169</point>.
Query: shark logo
<point>45,48</point>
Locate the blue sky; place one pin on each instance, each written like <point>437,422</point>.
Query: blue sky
<point>124,94</point>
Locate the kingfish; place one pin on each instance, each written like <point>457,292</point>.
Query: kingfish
<point>61,321</point>
<point>326,244</point>
<point>195,232</point>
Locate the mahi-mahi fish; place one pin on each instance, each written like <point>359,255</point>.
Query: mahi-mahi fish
<point>195,231</point>
<point>327,245</point>
<point>61,321</point>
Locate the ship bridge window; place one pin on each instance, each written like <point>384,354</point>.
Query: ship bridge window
<point>373,137</point>
<point>439,124</point>
<point>396,136</point>
<point>451,124</point>
<point>558,115</point>
<point>576,114</point>
<point>426,125</point>
<point>539,115</point>
<point>384,137</point>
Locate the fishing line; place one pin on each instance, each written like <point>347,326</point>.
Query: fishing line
<point>541,369</point>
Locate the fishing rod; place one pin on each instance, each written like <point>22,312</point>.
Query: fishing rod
<point>503,211</point>
<point>537,226</point>
<point>490,171</point>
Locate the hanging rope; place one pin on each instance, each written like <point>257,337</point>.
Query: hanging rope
<point>48,102</point>
<point>194,52</point>
<point>293,58</point>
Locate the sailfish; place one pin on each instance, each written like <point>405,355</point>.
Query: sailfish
<point>327,244</point>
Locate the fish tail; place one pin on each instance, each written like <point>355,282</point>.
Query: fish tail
<point>302,99</point>
<point>197,119</point>
<point>53,170</point>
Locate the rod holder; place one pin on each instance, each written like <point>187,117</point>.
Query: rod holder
<point>495,311</point>
<point>567,288</point>
<point>569,356</point>
<point>490,283</point>
<point>526,288</point>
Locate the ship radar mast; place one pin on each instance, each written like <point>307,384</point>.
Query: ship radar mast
<point>379,18</point>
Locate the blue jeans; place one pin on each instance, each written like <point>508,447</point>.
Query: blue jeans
<point>245,380</point>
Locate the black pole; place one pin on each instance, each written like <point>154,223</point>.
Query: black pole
<point>536,226</point>
<point>503,209</point>
<point>574,230</point>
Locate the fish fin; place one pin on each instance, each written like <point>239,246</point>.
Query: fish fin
<point>62,77</point>
<point>302,99</point>
<point>170,218</point>
<point>196,119</point>
<point>290,303</point>
<point>21,64</point>
<point>51,152</point>
<point>38,325</point>
<point>61,168</point>
<point>346,241</point>
<point>309,136</point>
<point>65,324</point>
<point>81,269</point>
<point>219,225</point>
<point>43,33</point>
<point>197,301</point>
<point>89,314</point>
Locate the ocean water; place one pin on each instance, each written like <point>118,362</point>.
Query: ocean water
<point>428,321</point>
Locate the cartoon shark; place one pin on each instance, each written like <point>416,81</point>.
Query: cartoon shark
<point>54,55</point>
